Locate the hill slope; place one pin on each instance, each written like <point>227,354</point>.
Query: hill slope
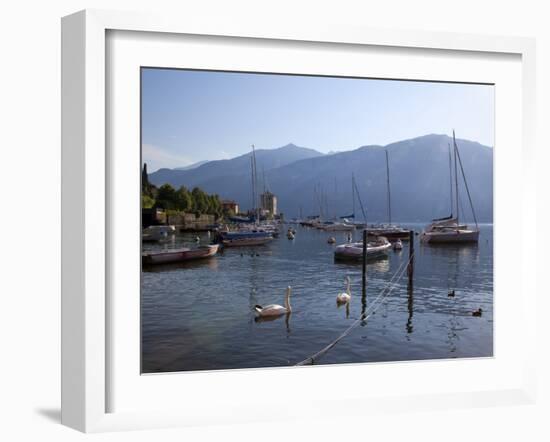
<point>419,173</point>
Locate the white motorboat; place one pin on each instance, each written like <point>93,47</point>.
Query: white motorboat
<point>376,247</point>
<point>157,233</point>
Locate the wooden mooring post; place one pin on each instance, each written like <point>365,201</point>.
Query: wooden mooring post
<point>364,281</point>
<point>410,267</point>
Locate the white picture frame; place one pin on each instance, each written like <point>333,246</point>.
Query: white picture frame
<point>85,197</point>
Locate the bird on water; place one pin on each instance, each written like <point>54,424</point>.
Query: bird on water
<point>275,309</point>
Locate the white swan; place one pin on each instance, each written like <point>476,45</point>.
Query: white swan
<point>275,309</point>
<point>343,298</point>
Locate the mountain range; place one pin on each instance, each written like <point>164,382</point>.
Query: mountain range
<point>309,182</point>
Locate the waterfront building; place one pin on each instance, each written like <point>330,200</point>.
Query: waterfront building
<point>230,206</point>
<point>268,202</point>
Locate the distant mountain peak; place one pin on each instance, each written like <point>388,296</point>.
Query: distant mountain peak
<point>192,166</point>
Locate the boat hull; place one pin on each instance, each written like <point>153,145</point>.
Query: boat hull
<point>179,255</point>
<point>338,228</point>
<point>157,233</point>
<point>450,236</point>
<point>244,242</point>
<point>354,251</point>
<point>245,238</point>
<point>391,234</point>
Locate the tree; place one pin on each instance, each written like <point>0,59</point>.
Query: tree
<point>184,201</point>
<point>166,197</point>
<point>200,201</point>
<point>147,202</point>
<point>215,205</point>
<point>146,187</point>
<point>144,176</point>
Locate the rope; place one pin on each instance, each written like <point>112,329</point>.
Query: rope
<point>466,184</point>
<point>383,294</point>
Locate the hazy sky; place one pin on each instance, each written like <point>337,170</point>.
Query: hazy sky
<point>190,116</point>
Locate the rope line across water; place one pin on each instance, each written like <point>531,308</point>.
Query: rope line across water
<point>383,294</point>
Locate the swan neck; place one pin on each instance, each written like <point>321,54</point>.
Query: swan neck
<point>287,300</point>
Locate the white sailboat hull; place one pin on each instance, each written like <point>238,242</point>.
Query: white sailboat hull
<point>451,236</point>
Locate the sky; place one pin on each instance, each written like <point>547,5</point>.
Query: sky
<point>190,116</point>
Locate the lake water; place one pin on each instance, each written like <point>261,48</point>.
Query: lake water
<point>199,316</point>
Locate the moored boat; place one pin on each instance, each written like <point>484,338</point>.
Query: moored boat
<point>178,255</point>
<point>398,245</point>
<point>391,232</point>
<point>376,247</point>
<point>449,229</point>
<point>251,238</point>
<point>450,234</point>
<point>157,233</point>
<point>337,227</point>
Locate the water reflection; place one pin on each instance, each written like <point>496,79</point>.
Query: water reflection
<point>208,263</point>
<point>377,264</point>
<point>410,307</point>
<point>347,307</point>
<point>262,319</point>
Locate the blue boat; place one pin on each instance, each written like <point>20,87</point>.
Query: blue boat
<point>245,238</point>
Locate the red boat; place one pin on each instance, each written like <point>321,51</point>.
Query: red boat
<point>178,255</point>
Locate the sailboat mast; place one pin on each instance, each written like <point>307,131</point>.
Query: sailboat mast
<point>456,181</point>
<point>252,182</point>
<point>255,184</point>
<point>466,185</point>
<point>388,184</point>
<point>353,194</point>
<point>451,179</point>
<point>360,202</point>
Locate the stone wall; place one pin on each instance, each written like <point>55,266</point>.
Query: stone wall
<point>188,221</point>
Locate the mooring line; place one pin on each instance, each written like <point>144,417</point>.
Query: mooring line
<point>364,316</point>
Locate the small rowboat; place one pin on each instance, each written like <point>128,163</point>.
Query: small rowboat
<point>178,255</point>
<point>354,251</point>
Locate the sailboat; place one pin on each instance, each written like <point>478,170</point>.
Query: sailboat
<point>250,234</point>
<point>322,222</point>
<point>390,231</point>
<point>377,245</point>
<point>449,229</point>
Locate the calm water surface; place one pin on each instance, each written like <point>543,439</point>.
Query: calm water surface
<point>199,316</point>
